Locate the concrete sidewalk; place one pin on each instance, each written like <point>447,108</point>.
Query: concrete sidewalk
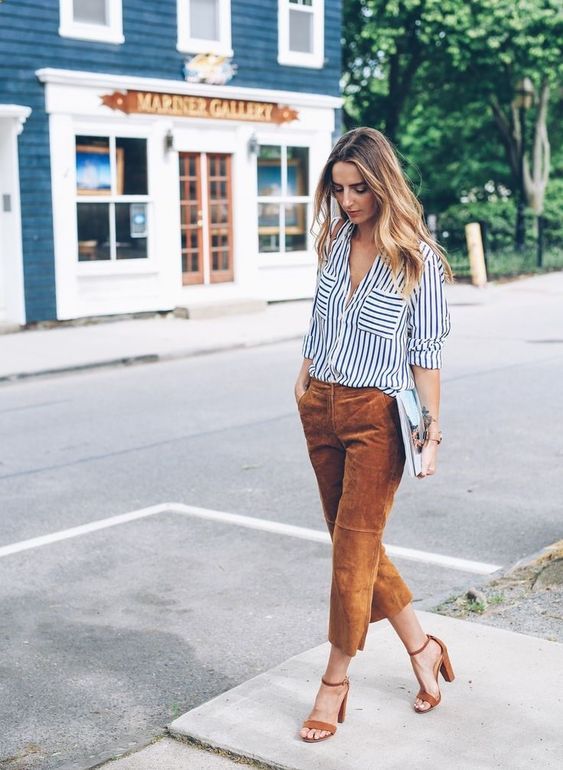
<point>120,342</point>
<point>504,710</point>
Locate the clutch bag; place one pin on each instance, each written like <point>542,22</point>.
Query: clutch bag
<point>412,429</point>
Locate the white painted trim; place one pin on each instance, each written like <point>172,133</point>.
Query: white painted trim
<point>16,111</point>
<point>203,181</point>
<point>12,119</point>
<point>286,56</point>
<point>54,76</point>
<point>189,44</point>
<point>248,522</point>
<point>110,33</point>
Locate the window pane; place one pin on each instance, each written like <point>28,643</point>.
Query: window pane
<point>204,19</point>
<point>131,230</point>
<point>297,171</point>
<point>131,166</point>
<point>93,231</point>
<point>91,11</point>
<point>295,226</point>
<point>269,170</point>
<point>300,31</point>
<point>92,166</point>
<point>268,227</point>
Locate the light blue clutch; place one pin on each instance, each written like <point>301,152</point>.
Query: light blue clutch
<point>412,428</point>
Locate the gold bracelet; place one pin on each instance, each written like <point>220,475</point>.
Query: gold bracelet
<point>437,440</point>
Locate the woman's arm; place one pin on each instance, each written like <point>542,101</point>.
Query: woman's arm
<point>427,383</point>
<point>429,325</point>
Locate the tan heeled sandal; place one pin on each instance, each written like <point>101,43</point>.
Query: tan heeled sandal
<point>443,666</point>
<point>314,724</point>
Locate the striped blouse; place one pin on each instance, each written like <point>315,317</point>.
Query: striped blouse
<point>373,339</point>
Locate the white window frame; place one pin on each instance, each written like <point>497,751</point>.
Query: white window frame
<point>265,257</point>
<point>298,58</point>
<point>189,44</point>
<point>110,33</point>
<point>88,267</point>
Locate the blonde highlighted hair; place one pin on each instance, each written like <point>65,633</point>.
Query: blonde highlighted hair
<point>400,226</point>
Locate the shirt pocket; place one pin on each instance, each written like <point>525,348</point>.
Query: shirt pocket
<point>327,282</point>
<point>381,313</point>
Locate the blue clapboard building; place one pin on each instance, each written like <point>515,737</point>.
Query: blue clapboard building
<point>161,155</point>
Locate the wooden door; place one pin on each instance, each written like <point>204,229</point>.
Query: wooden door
<point>206,218</point>
<point>191,218</point>
<point>220,217</point>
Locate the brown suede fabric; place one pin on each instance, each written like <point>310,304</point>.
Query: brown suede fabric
<point>355,446</point>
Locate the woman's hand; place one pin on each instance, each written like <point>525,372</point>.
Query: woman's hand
<point>429,459</point>
<point>303,379</point>
<point>300,387</point>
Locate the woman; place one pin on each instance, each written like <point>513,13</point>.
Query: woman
<point>379,320</point>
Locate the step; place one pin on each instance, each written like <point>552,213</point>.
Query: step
<point>217,309</point>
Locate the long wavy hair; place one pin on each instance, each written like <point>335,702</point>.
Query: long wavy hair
<point>400,225</point>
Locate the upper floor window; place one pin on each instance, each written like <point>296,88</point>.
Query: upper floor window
<point>204,26</point>
<point>301,32</point>
<point>98,20</point>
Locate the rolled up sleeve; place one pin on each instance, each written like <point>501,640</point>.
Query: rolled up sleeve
<point>310,339</point>
<point>429,318</point>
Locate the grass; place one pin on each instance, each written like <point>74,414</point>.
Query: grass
<point>475,606</point>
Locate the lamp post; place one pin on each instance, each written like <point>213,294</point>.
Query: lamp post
<point>523,100</point>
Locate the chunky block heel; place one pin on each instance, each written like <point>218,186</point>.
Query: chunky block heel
<point>314,724</point>
<point>443,666</point>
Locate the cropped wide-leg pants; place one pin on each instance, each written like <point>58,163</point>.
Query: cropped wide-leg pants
<point>355,446</point>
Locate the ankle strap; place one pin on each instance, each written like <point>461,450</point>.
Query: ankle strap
<point>421,648</point>
<point>335,684</point>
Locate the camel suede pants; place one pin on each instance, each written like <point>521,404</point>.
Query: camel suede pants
<point>355,446</point>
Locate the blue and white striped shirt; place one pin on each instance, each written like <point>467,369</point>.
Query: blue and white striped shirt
<point>373,340</point>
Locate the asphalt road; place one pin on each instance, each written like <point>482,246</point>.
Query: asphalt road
<point>106,637</point>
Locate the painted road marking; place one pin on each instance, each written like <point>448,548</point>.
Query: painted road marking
<point>264,525</point>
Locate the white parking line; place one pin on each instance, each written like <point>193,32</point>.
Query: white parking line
<point>276,527</point>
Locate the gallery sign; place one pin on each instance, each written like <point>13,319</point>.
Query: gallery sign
<point>179,105</point>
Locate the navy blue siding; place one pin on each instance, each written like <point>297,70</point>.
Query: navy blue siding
<point>29,40</point>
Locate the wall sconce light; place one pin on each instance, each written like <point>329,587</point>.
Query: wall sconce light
<point>169,140</point>
<point>252,145</point>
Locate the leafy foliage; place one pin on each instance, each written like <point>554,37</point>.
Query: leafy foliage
<point>427,73</point>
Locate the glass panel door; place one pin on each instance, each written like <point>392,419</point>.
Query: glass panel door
<point>206,218</point>
<point>191,218</point>
<point>220,217</point>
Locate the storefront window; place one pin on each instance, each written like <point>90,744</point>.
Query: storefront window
<point>93,231</point>
<point>112,198</point>
<point>283,198</point>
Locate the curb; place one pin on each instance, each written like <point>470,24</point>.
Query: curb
<point>148,358</point>
<point>129,361</point>
<point>544,554</point>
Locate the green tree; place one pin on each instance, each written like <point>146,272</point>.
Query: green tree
<point>439,77</point>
